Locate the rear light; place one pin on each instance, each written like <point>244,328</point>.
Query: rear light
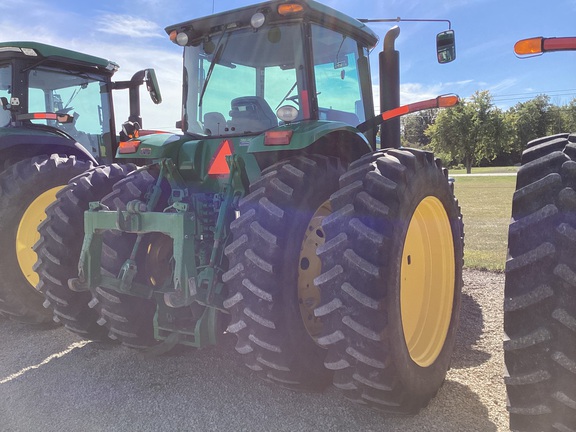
<point>128,147</point>
<point>278,137</point>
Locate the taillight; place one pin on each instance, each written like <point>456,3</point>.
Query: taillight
<point>277,137</point>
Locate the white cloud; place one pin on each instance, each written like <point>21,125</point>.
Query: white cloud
<point>127,25</point>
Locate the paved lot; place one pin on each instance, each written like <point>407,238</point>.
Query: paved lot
<point>52,381</point>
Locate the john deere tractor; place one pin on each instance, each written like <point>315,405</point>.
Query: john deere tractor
<point>277,218</point>
<point>539,304</point>
<point>56,122</point>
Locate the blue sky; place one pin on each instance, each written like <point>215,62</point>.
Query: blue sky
<point>131,33</point>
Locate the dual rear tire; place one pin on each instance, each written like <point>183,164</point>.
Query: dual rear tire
<point>540,300</point>
<point>377,312</point>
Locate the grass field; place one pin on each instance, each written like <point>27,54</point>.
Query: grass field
<point>486,204</point>
<point>487,170</point>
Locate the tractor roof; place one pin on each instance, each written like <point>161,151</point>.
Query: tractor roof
<point>62,55</point>
<point>312,11</point>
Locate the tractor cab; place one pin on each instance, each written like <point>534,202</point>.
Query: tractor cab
<point>271,65</point>
<point>62,94</point>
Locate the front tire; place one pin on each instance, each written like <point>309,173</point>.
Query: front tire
<point>392,280</point>
<point>26,189</point>
<point>272,267</point>
<point>60,244</point>
<point>540,286</point>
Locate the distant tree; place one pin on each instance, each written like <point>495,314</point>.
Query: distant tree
<point>530,120</point>
<point>471,131</point>
<point>568,113</point>
<point>414,127</point>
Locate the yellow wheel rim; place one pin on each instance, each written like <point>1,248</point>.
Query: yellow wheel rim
<point>309,267</point>
<point>427,281</point>
<point>27,234</point>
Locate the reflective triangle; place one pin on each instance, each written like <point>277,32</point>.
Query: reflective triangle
<point>219,166</point>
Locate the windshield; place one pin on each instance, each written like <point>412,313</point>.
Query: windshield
<point>337,79</point>
<point>235,82</point>
<point>82,96</point>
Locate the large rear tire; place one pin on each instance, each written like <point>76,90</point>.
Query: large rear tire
<point>26,189</point>
<point>273,263</point>
<point>58,250</point>
<point>540,289</point>
<point>128,319</point>
<point>392,280</point>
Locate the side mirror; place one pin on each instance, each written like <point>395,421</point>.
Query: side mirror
<point>152,86</point>
<point>446,46</point>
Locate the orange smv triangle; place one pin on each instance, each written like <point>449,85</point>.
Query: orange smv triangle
<point>219,166</point>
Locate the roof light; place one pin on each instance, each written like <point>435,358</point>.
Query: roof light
<point>182,39</point>
<point>290,9</point>
<point>278,137</point>
<point>29,52</point>
<point>257,20</point>
<point>219,165</point>
<point>128,147</point>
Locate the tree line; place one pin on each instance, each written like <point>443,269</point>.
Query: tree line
<point>478,133</point>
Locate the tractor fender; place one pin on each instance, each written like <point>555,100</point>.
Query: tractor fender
<point>321,137</point>
<point>20,145</point>
<point>153,146</point>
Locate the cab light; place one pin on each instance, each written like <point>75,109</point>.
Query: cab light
<point>29,52</point>
<point>219,165</point>
<point>257,20</point>
<point>277,137</point>
<point>128,147</point>
<point>290,9</point>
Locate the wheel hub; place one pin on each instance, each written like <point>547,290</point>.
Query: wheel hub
<point>309,267</point>
<point>427,281</point>
<point>27,233</point>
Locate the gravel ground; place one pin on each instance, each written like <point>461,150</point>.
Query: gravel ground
<point>50,380</point>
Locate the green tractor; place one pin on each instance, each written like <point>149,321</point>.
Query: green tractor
<point>56,122</point>
<point>539,300</point>
<point>277,218</point>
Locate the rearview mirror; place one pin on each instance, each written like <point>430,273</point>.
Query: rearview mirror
<point>446,46</point>
<point>152,86</point>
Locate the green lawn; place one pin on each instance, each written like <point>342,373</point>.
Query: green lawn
<point>487,170</point>
<point>486,204</point>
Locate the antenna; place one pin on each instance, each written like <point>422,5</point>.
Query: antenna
<point>213,6</point>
